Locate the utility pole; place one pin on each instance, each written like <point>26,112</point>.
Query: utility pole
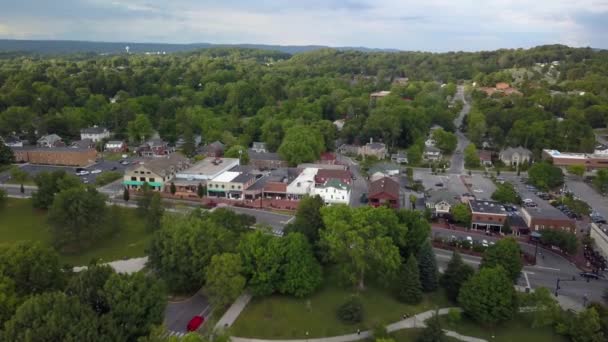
<point>557,287</point>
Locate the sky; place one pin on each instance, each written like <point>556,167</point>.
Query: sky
<point>423,25</point>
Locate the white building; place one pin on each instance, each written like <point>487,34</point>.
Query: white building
<point>303,185</point>
<point>207,169</point>
<point>333,192</point>
<point>94,133</point>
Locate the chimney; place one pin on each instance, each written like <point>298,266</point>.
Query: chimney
<point>371,140</point>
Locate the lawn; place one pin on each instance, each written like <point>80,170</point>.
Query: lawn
<point>113,156</point>
<point>516,330</point>
<point>282,317</point>
<point>20,222</point>
<point>410,335</point>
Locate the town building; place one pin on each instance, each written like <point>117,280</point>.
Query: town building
<point>384,191</point>
<point>485,157</point>
<point>328,158</point>
<point>322,166</point>
<point>348,149</point>
<point>487,215</point>
<point>259,147</point>
<point>513,156</point>
<point>95,133</point>
<point>325,175</point>
<point>501,88</point>
<point>230,184</point>
<point>440,202</point>
<point>302,185</point>
<point>215,149</point>
<point>266,160</point>
<point>116,146</point>
<point>431,153</point>
<point>12,141</point>
<point>84,143</point>
<point>155,148</point>
<point>590,161</point>
<point>547,218</point>
<point>207,169</point>
<point>156,172</point>
<point>333,192</point>
<point>373,149</point>
<point>59,156</point>
<point>51,140</point>
<point>400,158</point>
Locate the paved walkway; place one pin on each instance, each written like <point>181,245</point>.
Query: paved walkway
<point>233,311</point>
<point>416,321</point>
<point>127,266</point>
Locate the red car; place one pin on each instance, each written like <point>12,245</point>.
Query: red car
<point>195,323</point>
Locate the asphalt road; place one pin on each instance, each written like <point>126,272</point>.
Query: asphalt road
<point>598,202</point>
<point>359,185</point>
<point>178,314</point>
<point>274,220</point>
<point>457,162</point>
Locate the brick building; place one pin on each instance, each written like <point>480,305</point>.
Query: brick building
<point>64,156</point>
<point>384,191</point>
<point>547,218</point>
<point>487,215</point>
<point>589,160</point>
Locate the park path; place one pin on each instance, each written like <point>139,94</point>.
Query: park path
<point>233,311</point>
<point>127,266</point>
<point>416,321</point>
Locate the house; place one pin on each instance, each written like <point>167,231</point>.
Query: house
<point>59,156</point>
<point>155,148</point>
<point>51,140</point>
<point>441,202</point>
<point>155,172</point>
<point>84,143</point>
<point>230,184</point>
<point>348,149</point>
<point>485,157</point>
<point>513,156</point>
<point>181,141</point>
<point>400,158</point>
<point>590,161</point>
<point>116,146</point>
<point>94,133</point>
<point>325,175</point>
<point>328,158</point>
<point>12,141</point>
<point>339,124</point>
<point>384,191</point>
<point>333,192</point>
<point>322,166</point>
<point>266,160</point>
<point>215,149</point>
<point>429,142</point>
<point>259,147</point>
<point>487,215</point>
<point>402,81</point>
<point>432,153</point>
<point>379,95</point>
<point>373,149</point>
<point>303,184</point>
<point>547,217</point>
<point>389,169</point>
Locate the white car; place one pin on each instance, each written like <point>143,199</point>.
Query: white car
<point>82,173</point>
<point>96,171</point>
<point>484,243</point>
<point>470,239</point>
<point>477,190</point>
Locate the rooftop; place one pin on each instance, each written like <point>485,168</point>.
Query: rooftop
<point>225,177</point>
<point>547,212</point>
<point>381,93</point>
<point>243,178</point>
<point>253,155</point>
<point>51,149</point>
<point>384,185</point>
<point>442,195</point>
<point>337,174</point>
<point>487,207</point>
<point>558,154</point>
<point>335,183</point>
<point>93,130</point>
<point>162,164</point>
<point>211,166</point>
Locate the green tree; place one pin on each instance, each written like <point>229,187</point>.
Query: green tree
<point>155,212</point>
<point>262,260</point>
<point>409,289</point>
<point>6,154</point>
<point>200,190</point>
<point>564,240</point>
<point>3,197</point>
<point>172,188</point>
<point>300,271</point>
<point>189,146</point>
<point>144,200</point>
<point>471,158</point>
<point>414,154</point>
<point>505,253</point>
<point>577,170</point>
<point>545,176</point>
<point>50,183</point>
<point>126,195</point>
<point>238,151</point>
<point>489,296</point>
<point>506,193</point>
<point>456,274</point>
<point>137,303</point>
<point>427,264</point>
<point>352,311</point>
<point>586,327</point>
<point>78,219</point>
<point>140,129</point>
<point>600,181</point>
<point>52,316</point>
<point>445,141</point>
<point>461,214</point>
<point>546,309</point>
<point>433,331</point>
<point>301,144</point>
<point>358,239</point>
<point>18,175</point>
<point>87,285</point>
<point>225,280</point>
<point>8,299</point>
<point>417,231</point>
<point>308,220</point>
<point>33,268</point>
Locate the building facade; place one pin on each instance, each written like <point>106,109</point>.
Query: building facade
<point>94,133</point>
<point>487,215</point>
<point>384,191</point>
<point>590,161</point>
<point>333,192</point>
<point>513,156</point>
<point>155,172</point>
<point>116,146</point>
<point>230,184</point>
<point>60,156</point>
<point>547,218</point>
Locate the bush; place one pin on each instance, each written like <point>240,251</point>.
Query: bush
<point>351,312</point>
<point>454,316</point>
<point>379,331</point>
<point>107,178</point>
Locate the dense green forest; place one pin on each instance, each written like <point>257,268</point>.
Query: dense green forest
<point>244,95</point>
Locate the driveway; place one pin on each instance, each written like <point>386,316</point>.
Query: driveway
<point>274,220</point>
<point>178,314</point>
<point>598,202</point>
<point>359,185</point>
<point>457,162</point>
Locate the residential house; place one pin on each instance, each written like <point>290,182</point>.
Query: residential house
<point>379,95</point>
<point>59,156</point>
<point>155,148</point>
<point>384,191</point>
<point>94,133</point>
<point>259,147</point>
<point>215,149</point>
<point>547,217</point>
<point>441,202</point>
<point>373,149</point>
<point>339,124</point>
<point>12,141</point>
<point>389,169</point>
<point>328,158</point>
<point>51,140</point>
<point>402,81</point>
<point>303,184</point>
<point>156,172</point>
<point>348,149</point>
<point>325,175</point>
<point>116,146</point>
<point>400,158</point>
<point>432,153</point>
<point>84,143</point>
<point>230,184</point>
<point>333,192</point>
<point>487,215</point>
<point>266,160</point>
<point>485,157</point>
<point>513,156</point>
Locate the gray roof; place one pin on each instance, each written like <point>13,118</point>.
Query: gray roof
<point>260,183</point>
<point>383,167</point>
<point>509,151</point>
<point>375,146</point>
<point>161,165</point>
<point>547,212</point>
<point>51,149</point>
<point>253,155</point>
<point>115,142</point>
<point>399,155</point>
<point>490,207</point>
<point>93,130</point>
<point>243,178</point>
<point>52,138</point>
<point>259,144</point>
<point>84,143</point>
<point>442,195</point>
<point>431,149</point>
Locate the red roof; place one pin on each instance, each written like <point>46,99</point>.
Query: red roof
<point>485,155</point>
<point>324,174</point>
<point>328,156</point>
<point>275,187</point>
<point>384,186</point>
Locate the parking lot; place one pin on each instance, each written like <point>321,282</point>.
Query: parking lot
<point>451,182</point>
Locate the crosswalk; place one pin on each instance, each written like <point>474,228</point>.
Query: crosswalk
<point>176,334</point>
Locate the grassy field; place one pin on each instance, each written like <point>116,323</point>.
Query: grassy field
<point>20,222</point>
<point>410,335</point>
<point>516,330</point>
<point>278,317</point>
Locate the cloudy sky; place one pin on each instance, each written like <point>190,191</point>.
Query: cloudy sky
<point>433,25</point>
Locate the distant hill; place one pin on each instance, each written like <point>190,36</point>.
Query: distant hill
<point>74,46</point>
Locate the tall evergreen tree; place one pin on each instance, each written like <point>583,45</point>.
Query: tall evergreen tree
<point>427,266</point>
<point>200,191</point>
<point>126,195</point>
<point>456,274</point>
<point>409,289</point>
<point>155,212</point>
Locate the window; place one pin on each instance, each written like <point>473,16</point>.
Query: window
<point>222,186</point>
<point>134,178</point>
<point>232,187</point>
<point>143,179</point>
<point>148,172</point>
<point>151,179</point>
<point>135,171</point>
<point>239,187</point>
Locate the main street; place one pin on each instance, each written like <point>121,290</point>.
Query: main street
<point>457,162</point>
<point>359,184</point>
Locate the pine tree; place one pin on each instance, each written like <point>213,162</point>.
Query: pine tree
<point>22,189</point>
<point>433,331</point>
<point>456,274</point>
<point>172,188</point>
<point>126,195</point>
<point>200,191</point>
<point>409,290</point>
<point>427,266</point>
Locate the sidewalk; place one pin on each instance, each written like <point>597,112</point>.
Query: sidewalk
<point>233,311</point>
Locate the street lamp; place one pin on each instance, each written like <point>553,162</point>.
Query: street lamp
<point>557,287</point>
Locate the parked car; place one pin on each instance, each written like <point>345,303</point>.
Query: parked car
<point>439,184</point>
<point>589,275</point>
<point>195,323</point>
<point>82,173</point>
<point>114,168</point>
<point>124,162</point>
<point>470,239</point>
<point>484,243</point>
<point>96,171</point>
